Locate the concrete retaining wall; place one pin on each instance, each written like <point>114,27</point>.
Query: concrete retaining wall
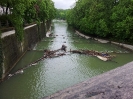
<point>13,49</point>
<point>127,46</point>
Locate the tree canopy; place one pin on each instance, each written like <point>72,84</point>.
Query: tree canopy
<point>112,19</point>
<point>61,14</point>
<point>27,11</point>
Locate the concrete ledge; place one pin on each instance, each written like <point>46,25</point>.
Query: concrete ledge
<point>130,47</point>
<point>7,33</point>
<point>115,84</point>
<point>82,35</point>
<point>4,34</point>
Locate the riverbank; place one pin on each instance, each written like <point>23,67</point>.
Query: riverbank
<point>115,84</point>
<point>127,46</point>
<point>18,49</point>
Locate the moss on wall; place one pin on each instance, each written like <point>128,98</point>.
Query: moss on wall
<point>1,58</point>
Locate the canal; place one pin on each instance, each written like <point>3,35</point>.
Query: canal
<point>54,74</point>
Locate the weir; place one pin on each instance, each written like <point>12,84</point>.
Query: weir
<point>44,78</point>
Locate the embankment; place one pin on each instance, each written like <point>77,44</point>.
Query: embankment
<point>13,49</point>
<point>130,47</point>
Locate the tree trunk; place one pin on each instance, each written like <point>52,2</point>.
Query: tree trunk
<point>7,7</point>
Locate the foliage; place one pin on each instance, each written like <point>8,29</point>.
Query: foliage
<point>61,14</point>
<point>112,19</point>
<point>27,11</point>
<point>1,56</point>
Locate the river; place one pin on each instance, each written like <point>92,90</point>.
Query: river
<point>54,74</point>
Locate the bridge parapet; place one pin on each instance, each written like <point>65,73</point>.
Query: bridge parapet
<point>115,84</point>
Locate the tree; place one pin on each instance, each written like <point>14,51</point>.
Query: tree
<point>61,14</point>
<point>26,11</point>
<point>110,19</point>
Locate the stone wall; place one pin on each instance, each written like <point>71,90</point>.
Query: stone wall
<point>13,49</point>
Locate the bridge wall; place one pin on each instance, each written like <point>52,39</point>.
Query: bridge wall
<point>115,84</point>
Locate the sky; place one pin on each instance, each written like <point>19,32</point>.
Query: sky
<point>63,4</point>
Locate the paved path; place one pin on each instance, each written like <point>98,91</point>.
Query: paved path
<point>115,84</point>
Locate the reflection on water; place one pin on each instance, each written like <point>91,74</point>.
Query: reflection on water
<point>51,75</point>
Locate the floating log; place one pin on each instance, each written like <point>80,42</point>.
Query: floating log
<point>102,58</point>
<point>76,51</point>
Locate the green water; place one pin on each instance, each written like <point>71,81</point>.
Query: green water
<point>52,75</point>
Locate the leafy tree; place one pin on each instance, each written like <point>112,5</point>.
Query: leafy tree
<point>27,11</point>
<point>61,14</point>
<point>122,17</point>
<point>110,19</point>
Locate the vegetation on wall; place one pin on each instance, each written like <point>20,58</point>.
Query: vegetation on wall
<point>112,19</point>
<point>1,57</point>
<point>28,11</point>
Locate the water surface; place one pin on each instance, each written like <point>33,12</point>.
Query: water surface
<point>54,74</point>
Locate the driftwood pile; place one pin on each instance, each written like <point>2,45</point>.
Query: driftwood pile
<point>100,55</point>
<point>61,52</point>
<point>93,53</point>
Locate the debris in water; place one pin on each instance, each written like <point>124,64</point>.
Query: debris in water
<point>57,53</point>
<point>63,48</point>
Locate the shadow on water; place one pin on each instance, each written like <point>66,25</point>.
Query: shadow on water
<point>54,74</point>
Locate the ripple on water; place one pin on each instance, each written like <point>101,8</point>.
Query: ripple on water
<point>51,75</point>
